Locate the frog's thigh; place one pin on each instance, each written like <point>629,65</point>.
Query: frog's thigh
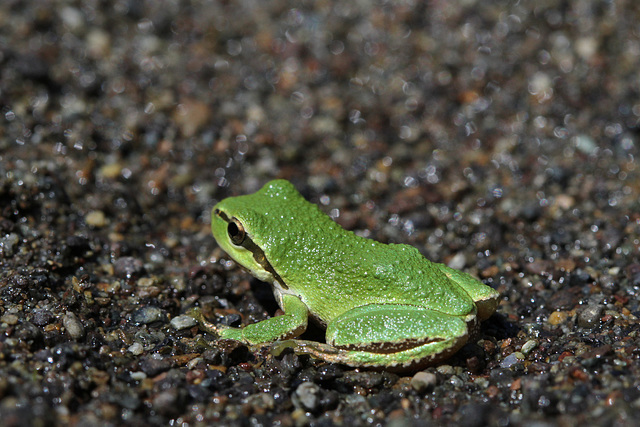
<point>390,328</point>
<point>291,324</point>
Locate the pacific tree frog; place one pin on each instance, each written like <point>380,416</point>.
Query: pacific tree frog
<point>383,305</point>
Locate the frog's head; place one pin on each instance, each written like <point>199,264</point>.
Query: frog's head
<point>243,226</point>
<point>233,232</point>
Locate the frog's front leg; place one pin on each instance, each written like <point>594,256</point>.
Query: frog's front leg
<point>388,335</point>
<point>291,324</point>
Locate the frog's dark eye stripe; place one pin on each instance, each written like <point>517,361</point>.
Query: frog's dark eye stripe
<point>221,214</point>
<point>239,237</point>
<point>236,232</point>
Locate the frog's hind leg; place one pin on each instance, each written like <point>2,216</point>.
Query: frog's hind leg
<point>391,336</point>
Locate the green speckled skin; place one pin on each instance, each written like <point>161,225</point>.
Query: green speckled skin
<point>386,301</point>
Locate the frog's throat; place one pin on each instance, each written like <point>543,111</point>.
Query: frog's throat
<point>258,254</point>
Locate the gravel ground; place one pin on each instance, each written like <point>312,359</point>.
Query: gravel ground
<point>498,137</point>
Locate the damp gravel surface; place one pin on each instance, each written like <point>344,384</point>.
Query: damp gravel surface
<point>498,137</point>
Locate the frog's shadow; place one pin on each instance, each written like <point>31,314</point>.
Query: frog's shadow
<point>498,327</point>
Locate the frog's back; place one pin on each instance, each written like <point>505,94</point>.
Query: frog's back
<point>320,260</point>
<point>393,273</point>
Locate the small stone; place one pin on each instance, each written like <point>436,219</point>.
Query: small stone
<point>557,317</point>
<point>458,261</point>
<point>9,319</point>
<point>585,144</point>
<point>136,349</point>
<point>445,369</point>
<point>138,376</point>
<point>307,395</point>
<point>8,244</point>
<point>193,363</point>
<point>98,44</point>
<point>72,18</point>
<point>73,326</point>
<point>481,382</point>
<point>183,322</point>
<point>178,283</point>
<point>512,359</point>
<point>455,381</point>
<point>42,317</point>
<point>191,115</point>
<point>564,201</point>
<point>423,381</point>
<point>146,282</point>
<point>165,402</point>
<point>589,317</point>
<point>633,274</point>
<point>146,315</point>
<point>329,372</point>
<point>567,265</point>
<point>28,332</point>
<point>262,402</point>
<point>586,47</point>
<point>153,365</point>
<point>528,346</point>
<point>128,267</point>
<point>96,219</point>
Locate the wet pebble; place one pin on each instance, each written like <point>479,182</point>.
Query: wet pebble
<point>262,402</point>
<point>458,261</point>
<point>136,348</point>
<point>8,244</point>
<point>28,332</point>
<point>148,314</point>
<point>42,317</point>
<point>154,364</point>
<point>167,401</point>
<point>128,267</point>
<point>329,372</point>
<point>589,316</point>
<point>183,322</point>
<point>512,359</point>
<point>558,317</point>
<point>9,319</point>
<point>73,326</point>
<point>528,346</point>
<point>96,219</point>
<point>307,396</point>
<point>423,381</point>
<point>366,379</point>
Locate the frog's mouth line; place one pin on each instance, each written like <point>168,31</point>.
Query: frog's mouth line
<point>258,254</point>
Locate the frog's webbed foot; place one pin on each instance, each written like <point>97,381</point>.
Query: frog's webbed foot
<point>314,348</point>
<point>223,332</point>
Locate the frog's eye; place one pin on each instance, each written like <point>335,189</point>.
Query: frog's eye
<point>236,232</point>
